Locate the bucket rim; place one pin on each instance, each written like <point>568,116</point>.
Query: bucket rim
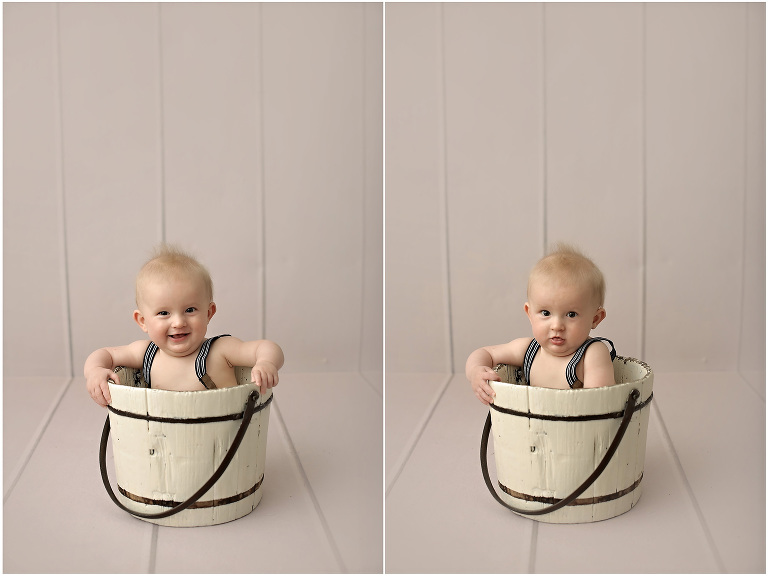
<point>240,372</point>
<point>558,403</point>
<point>619,359</point>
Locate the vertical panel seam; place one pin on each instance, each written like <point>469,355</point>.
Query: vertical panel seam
<point>263,192</point>
<point>443,175</point>
<point>364,187</point>
<point>382,201</point>
<point>64,246</point>
<point>544,164</point>
<point>644,177</point>
<point>745,194</point>
<point>161,120</point>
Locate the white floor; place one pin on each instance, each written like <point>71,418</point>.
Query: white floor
<point>321,511</point>
<point>702,508</point>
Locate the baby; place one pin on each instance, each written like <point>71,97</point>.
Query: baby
<point>565,302</point>
<point>174,296</point>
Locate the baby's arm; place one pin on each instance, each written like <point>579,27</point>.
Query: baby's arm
<point>265,356</point>
<point>100,364</point>
<point>479,367</point>
<point>598,366</point>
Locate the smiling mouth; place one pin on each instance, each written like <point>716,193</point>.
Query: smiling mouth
<point>177,336</point>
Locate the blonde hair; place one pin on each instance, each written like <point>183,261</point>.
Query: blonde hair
<point>171,262</point>
<point>569,265</point>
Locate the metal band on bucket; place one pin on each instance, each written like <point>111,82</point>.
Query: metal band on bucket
<point>584,418</point>
<point>578,501</point>
<point>203,420</point>
<point>198,504</point>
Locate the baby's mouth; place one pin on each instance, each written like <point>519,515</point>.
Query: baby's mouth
<point>176,336</point>
<point>556,340</point>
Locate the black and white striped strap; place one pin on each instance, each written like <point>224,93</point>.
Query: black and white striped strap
<point>202,358</point>
<point>149,357</point>
<point>533,348</point>
<point>570,370</point>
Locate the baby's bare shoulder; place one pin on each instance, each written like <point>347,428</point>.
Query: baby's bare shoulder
<point>598,366</point>
<point>599,352</point>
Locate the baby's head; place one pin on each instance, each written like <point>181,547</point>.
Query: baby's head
<point>174,297</point>
<point>566,267</point>
<point>171,263</point>
<point>565,299</point>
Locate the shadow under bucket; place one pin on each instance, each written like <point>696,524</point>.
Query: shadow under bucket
<point>569,456</point>
<point>186,458</point>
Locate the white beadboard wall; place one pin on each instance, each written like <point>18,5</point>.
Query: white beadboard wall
<point>636,131</point>
<point>250,134</point>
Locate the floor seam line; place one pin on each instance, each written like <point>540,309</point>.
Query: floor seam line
<point>749,385</point>
<point>42,428</point>
<point>153,550</point>
<point>417,435</point>
<point>689,489</point>
<point>532,552</point>
<point>370,384</point>
<point>305,479</point>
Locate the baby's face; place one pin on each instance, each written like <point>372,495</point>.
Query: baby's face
<point>175,313</point>
<point>562,315</point>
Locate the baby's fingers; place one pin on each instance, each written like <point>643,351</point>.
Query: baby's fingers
<point>484,391</point>
<point>483,396</point>
<point>105,393</point>
<point>261,380</point>
<point>264,379</point>
<point>491,374</point>
<point>97,394</point>
<point>258,380</point>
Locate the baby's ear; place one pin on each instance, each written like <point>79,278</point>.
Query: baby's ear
<point>211,310</point>
<point>599,317</point>
<point>139,319</point>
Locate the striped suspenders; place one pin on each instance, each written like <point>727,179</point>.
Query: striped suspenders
<point>570,370</point>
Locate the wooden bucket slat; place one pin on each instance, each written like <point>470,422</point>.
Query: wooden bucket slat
<point>162,461</point>
<point>548,459</point>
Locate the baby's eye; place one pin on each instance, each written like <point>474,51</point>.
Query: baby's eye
<point>163,313</point>
<point>545,312</point>
<point>190,310</point>
<point>571,314</point>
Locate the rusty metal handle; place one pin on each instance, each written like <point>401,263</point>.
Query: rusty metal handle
<point>629,410</point>
<point>250,408</point>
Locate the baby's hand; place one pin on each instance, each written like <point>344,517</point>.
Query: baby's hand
<point>97,385</point>
<point>479,377</point>
<point>264,375</point>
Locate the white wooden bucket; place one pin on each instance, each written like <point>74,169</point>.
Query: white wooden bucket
<point>168,446</point>
<point>569,456</point>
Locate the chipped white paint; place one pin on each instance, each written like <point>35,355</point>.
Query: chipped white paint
<point>171,461</point>
<point>550,459</point>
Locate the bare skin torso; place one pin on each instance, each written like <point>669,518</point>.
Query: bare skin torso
<point>169,373</point>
